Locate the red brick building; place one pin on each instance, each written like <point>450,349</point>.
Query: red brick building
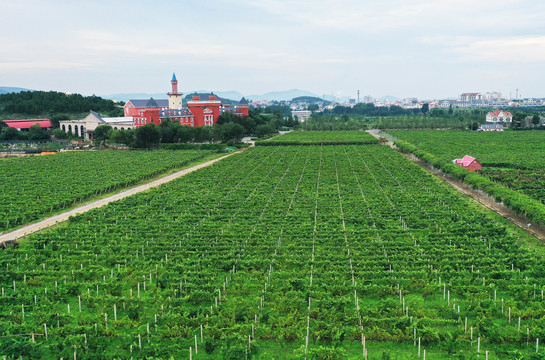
<point>469,163</point>
<point>201,110</point>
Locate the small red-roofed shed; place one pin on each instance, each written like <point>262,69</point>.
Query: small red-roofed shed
<point>27,123</point>
<point>469,163</point>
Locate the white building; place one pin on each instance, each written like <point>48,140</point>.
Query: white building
<point>85,128</point>
<point>499,116</point>
<point>302,115</point>
<point>470,97</point>
<point>491,127</point>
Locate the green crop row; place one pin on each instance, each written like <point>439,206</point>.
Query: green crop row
<point>274,253</point>
<point>34,186</point>
<point>321,138</point>
<point>522,204</point>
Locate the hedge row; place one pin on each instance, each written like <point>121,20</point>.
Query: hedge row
<point>314,143</point>
<point>183,146</point>
<point>516,201</point>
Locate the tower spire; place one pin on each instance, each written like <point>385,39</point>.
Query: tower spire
<point>174,97</point>
<point>174,83</point>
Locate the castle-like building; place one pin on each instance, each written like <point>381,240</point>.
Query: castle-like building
<point>201,110</point>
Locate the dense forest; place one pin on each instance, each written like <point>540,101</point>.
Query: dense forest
<point>39,103</point>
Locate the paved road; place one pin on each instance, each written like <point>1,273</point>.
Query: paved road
<point>53,220</point>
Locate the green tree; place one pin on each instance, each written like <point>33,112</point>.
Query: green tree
<point>10,134</point>
<point>184,134</point>
<point>168,131</point>
<point>228,117</point>
<point>202,134</point>
<point>425,108</point>
<point>232,133</point>
<point>313,107</point>
<point>518,119</point>
<point>59,134</point>
<point>536,119</point>
<point>36,132</point>
<point>148,136</point>
<point>56,118</point>
<point>103,132</point>
<point>264,130</point>
<point>125,137</point>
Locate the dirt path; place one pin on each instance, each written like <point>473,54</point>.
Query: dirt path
<point>477,195</point>
<point>13,236</point>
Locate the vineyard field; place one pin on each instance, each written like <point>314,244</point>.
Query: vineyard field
<point>32,187</point>
<point>275,253</point>
<point>512,158</point>
<point>320,137</point>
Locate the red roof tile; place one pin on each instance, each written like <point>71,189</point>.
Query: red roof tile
<point>27,123</point>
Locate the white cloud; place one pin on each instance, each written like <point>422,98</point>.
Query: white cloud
<point>20,66</point>
<point>511,49</point>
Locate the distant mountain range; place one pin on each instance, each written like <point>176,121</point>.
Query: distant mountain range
<point>281,95</point>
<point>286,95</point>
<point>7,90</point>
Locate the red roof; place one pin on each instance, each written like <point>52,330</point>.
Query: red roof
<point>465,161</point>
<point>497,113</point>
<point>27,123</point>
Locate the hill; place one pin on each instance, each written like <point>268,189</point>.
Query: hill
<point>281,95</point>
<point>309,100</point>
<point>8,90</point>
<point>39,103</point>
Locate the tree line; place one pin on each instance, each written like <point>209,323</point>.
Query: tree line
<point>51,102</point>
<point>229,129</point>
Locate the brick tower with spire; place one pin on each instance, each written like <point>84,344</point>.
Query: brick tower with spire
<point>174,97</point>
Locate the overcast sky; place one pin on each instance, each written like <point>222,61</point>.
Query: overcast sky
<point>428,49</point>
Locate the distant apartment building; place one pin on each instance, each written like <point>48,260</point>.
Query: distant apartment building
<point>493,95</point>
<point>410,101</point>
<point>470,97</point>
<point>301,115</point>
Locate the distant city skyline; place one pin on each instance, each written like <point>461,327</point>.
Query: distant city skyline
<point>424,49</point>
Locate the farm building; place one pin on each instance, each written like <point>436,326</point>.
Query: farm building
<point>468,162</point>
<point>491,127</point>
<point>85,128</point>
<point>25,124</point>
